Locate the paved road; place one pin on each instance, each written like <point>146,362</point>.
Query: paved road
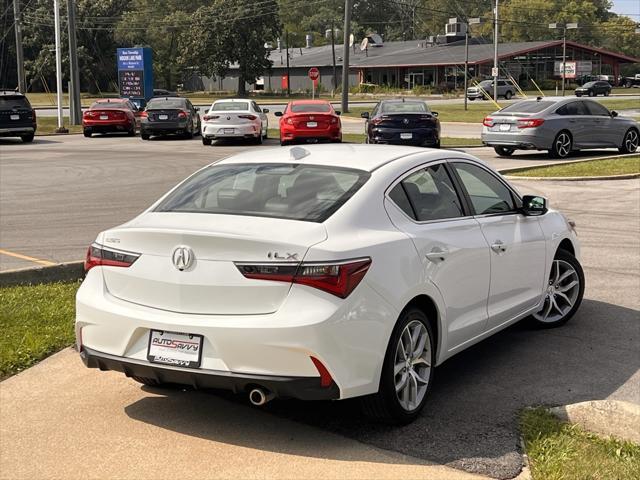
<point>55,196</point>
<point>57,193</point>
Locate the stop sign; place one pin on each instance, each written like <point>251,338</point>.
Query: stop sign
<point>314,73</point>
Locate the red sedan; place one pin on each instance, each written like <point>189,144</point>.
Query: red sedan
<point>111,115</point>
<point>309,120</point>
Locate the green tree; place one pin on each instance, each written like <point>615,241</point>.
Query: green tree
<point>231,32</point>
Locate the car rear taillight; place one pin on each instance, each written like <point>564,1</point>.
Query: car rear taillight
<point>530,123</point>
<point>206,118</point>
<point>144,114</point>
<point>248,117</point>
<point>487,122</point>
<point>182,114</point>
<point>288,121</point>
<point>100,255</point>
<point>88,114</point>
<point>336,278</point>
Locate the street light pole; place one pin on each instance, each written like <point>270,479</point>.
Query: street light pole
<point>333,53</point>
<point>75,110</point>
<point>495,55</point>
<point>564,57</point>
<point>56,18</point>
<point>469,22</point>
<point>345,56</point>
<point>19,52</point>
<point>286,39</point>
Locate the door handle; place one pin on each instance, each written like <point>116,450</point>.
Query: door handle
<point>498,247</point>
<point>437,254</point>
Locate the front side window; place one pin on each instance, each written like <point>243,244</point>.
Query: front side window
<point>290,191</point>
<point>597,109</point>
<point>487,193</point>
<point>427,194</point>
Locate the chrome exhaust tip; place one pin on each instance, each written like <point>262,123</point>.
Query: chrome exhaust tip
<point>259,397</point>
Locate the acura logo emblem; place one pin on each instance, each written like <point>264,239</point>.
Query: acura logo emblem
<point>228,118</point>
<point>182,257</point>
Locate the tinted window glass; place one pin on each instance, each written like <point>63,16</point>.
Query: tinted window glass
<point>310,107</point>
<point>573,108</point>
<point>399,197</point>
<point>10,102</point>
<point>299,192</point>
<point>589,84</point>
<point>169,103</point>
<point>431,195</point>
<point>529,106</point>
<point>229,106</point>
<point>405,107</point>
<point>108,105</point>
<point>597,109</point>
<point>486,192</point>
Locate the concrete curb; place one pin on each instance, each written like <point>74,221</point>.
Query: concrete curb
<point>576,179</point>
<point>604,417</point>
<point>62,272</point>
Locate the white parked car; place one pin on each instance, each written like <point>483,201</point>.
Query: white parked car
<point>235,118</point>
<point>324,272</point>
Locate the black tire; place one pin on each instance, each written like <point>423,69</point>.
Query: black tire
<point>578,94</point>
<point>630,141</point>
<point>472,99</point>
<point>504,151</point>
<point>283,143</point>
<point>592,93</point>
<point>559,148</point>
<point>508,95</point>
<point>258,140</point>
<point>385,406</point>
<point>87,133</point>
<point>266,133</point>
<point>28,138</point>
<point>606,94</point>
<point>206,141</point>
<point>132,132</point>
<point>188,135</point>
<point>145,136</point>
<point>562,256</point>
<point>628,84</point>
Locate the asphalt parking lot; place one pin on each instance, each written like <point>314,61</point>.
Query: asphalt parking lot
<point>57,193</point>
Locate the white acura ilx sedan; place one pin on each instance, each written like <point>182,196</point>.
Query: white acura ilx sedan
<point>324,272</point>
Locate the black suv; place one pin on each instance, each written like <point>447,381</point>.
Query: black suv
<point>17,118</point>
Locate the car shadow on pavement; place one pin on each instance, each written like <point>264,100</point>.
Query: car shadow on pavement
<point>39,140</point>
<point>470,421</point>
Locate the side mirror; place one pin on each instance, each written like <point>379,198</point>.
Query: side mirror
<point>338,112</point>
<point>265,110</point>
<point>614,113</point>
<point>364,114</point>
<point>435,114</point>
<point>278,114</point>
<point>533,205</point>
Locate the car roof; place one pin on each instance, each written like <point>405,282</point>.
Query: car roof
<point>232,100</point>
<point>306,102</point>
<point>403,100</point>
<point>356,156</point>
<point>10,93</point>
<point>110,100</point>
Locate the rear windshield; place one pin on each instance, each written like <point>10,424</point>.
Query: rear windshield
<point>107,105</point>
<point>531,106</point>
<point>405,107</point>
<point>292,191</point>
<point>10,102</point>
<point>230,106</point>
<point>165,103</point>
<point>310,107</point>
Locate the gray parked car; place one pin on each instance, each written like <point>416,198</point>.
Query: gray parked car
<point>506,89</point>
<point>559,125</point>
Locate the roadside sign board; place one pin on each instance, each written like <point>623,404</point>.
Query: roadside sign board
<point>135,73</point>
<point>494,71</point>
<point>570,69</point>
<point>314,73</point>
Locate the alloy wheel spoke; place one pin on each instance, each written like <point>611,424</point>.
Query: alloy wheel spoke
<point>420,344</point>
<point>565,298</point>
<point>421,361</point>
<point>555,305</point>
<point>402,383</point>
<point>567,287</point>
<point>398,368</point>
<point>418,378</point>
<point>565,275</point>
<point>547,310</point>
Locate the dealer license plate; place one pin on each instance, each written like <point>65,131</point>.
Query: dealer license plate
<point>229,130</point>
<point>505,127</point>
<point>15,117</point>
<point>163,117</point>
<point>312,124</point>
<point>104,117</point>
<point>177,349</point>
<point>406,136</point>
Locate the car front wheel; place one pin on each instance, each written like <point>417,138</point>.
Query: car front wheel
<point>565,290</point>
<point>630,141</point>
<point>407,372</point>
<point>592,93</point>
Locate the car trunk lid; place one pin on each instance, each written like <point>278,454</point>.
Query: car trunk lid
<point>407,120</point>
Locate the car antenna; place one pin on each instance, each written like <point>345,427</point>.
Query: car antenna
<point>538,98</point>
<point>298,153</point>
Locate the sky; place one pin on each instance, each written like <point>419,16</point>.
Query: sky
<point>630,8</point>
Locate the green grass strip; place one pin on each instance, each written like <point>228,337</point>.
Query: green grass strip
<point>592,168</point>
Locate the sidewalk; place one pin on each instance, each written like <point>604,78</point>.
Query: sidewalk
<point>62,420</point>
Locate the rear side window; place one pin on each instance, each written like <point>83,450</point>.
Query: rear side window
<point>299,192</point>
<point>531,106</point>
<point>573,108</point>
<point>310,107</point>
<point>8,102</point>
<point>427,194</point>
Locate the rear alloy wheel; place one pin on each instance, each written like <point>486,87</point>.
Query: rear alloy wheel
<point>206,141</point>
<point>28,138</point>
<point>504,151</point>
<point>565,290</point>
<point>561,147</point>
<point>630,141</point>
<point>258,140</point>
<point>508,95</point>
<point>407,371</point>
<point>591,93</point>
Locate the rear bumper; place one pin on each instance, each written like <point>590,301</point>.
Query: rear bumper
<point>214,131</point>
<point>425,137</point>
<point>16,131</point>
<point>162,128</point>
<point>331,133</point>
<point>513,140</point>
<point>108,126</point>
<point>302,388</point>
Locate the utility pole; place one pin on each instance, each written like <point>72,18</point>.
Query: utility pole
<point>345,56</point>
<point>75,110</point>
<point>22,84</point>
<point>469,22</point>
<point>564,27</point>
<point>56,17</point>
<point>333,52</point>
<point>495,55</point>
<point>286,39</point>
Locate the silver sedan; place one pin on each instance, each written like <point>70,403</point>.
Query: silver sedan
<point>559,125</point>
